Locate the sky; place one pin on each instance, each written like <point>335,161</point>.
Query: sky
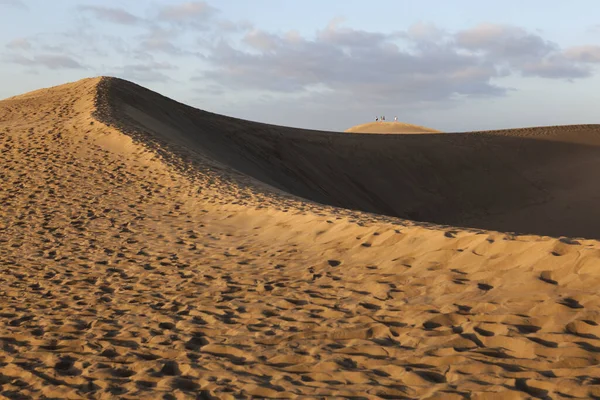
<point>455,66</point>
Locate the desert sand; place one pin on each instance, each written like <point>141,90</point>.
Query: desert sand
<point>152,250</point>
<point>390,127</point>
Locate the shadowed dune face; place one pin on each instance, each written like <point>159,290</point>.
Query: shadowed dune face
<point>533,180</point>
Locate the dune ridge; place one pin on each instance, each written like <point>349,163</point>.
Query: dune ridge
<point>531,180</point>
<point>141,259</point>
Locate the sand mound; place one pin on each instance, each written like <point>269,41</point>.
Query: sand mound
<point>390,127</point>
<point>149,262</point>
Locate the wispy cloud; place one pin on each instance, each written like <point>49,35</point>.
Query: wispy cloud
<point>14,3</point>
<point>192,13</point>
<point>114,15</point>
<point>52,61</point>
<point>522,51</point>
<point>158,39</point>
<point>587,54</point>
<point>19,44</point>
<point>146,72</point>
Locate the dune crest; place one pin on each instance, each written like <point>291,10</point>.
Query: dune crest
<point>390,127</point>
<point>147,250</point>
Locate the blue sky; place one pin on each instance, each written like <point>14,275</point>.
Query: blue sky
<point>454,66</point>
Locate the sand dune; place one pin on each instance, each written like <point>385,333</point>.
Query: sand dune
<point>149,249</point>
<point>533,180</point>
<point>390,127</point>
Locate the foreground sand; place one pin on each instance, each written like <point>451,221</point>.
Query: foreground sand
<point>129,271</point>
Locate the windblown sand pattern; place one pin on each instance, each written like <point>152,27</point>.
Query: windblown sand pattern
<point>151,250</point>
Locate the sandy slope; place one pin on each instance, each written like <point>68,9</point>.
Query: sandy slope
<point>139,264</point>
<point>390,127</point>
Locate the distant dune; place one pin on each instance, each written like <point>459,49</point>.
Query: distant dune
<point>152,250</point>
<point>390,127</point>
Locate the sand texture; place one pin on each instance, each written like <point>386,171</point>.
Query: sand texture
<point>151,250</point>
<point>388,127</point>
